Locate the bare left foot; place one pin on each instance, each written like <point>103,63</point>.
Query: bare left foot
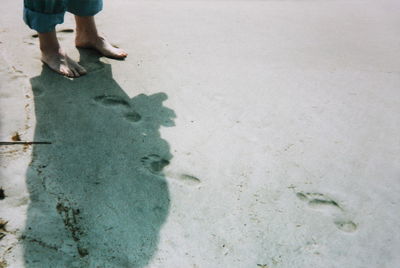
<point>101,45</point>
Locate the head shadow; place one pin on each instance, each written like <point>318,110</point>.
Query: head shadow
<point>98,194</point>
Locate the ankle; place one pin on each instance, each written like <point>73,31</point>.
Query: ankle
<point>49,42</point>
<point>50,49</point>
<point>85,28</point>
<point>85,35</point>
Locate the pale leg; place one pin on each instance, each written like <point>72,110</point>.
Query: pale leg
<point>88,37</point>
<point>56,58</point>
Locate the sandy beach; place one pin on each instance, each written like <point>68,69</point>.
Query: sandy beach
<point>237,134</point>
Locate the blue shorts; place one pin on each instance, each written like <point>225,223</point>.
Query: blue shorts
<point>44,15</point>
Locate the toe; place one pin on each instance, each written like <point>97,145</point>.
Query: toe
<point>69,73</point>
<point>80,69</point>
<point>75,72</point>
<point>120,54</point>
<point>123,53</point>
<point>64,71</point>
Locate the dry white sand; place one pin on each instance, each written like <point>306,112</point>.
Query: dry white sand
<point>248,134</point>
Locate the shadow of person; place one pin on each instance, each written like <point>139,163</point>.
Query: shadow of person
<point>98,194</point>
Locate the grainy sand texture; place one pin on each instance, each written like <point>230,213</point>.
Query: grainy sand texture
<point>237,134</point>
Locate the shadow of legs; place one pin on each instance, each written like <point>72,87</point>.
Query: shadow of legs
<point>98,194</point>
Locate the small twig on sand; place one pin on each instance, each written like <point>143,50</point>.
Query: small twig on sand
<point>23,142</point>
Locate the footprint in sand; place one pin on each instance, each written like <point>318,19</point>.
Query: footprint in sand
<point>132,116</point>
<point>119,103</point>
<point>346,226</point>
<point>154,163</point>
<point>112,101</point>
<point>321,201</point>
<point>183,178</point>
<point>317,200</point>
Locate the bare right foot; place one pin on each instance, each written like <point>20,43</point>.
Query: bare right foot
<point>59,61</point>
<point>56,58</point>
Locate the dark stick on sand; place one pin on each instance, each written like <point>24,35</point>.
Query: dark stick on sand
<point>23,142</point>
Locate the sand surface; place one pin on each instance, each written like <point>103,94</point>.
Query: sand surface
<point>240,134</point>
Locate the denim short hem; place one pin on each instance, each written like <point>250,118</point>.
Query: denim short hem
<point>42,22</point>
<point>75,7</point>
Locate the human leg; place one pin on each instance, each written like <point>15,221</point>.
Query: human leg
<point>43,16</point>
<point>55,57</point>
<point>87,35</point>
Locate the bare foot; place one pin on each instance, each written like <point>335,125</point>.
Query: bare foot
<point>55,57</point>
<point>101,45</point>
<point>58,61</point>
